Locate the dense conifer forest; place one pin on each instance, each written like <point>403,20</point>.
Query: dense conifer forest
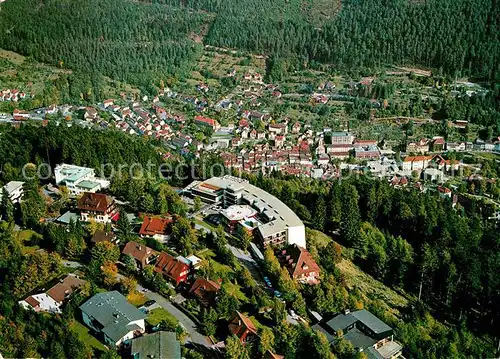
<point>133,40</point>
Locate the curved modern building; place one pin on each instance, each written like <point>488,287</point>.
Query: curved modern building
<point>274,222</point>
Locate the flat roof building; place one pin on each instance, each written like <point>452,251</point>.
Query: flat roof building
<point>78,179</point>
<point>277,223</point>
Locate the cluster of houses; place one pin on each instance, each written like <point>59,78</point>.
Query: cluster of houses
<point>13,95</point>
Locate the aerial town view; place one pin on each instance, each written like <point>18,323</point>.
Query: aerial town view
<point>247,179</point>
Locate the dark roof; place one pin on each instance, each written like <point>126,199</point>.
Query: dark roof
<point>94,202</point>
<point>319,328</point>
<point>160,345</point>
<point>103,236</point>
<point>65,287</point>
<point>358,339</point>
<point>113,312</point>
<point>341,322</point>
<point>138,251</point>
<point>205,290</point>
<point>371,321</point>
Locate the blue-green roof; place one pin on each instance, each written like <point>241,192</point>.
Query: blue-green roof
<point>113,312</point>
<point>160,345</point>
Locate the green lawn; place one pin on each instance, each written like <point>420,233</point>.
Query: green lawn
<point>84,335</point>
<point>158,315</point>
<point>235,291</point>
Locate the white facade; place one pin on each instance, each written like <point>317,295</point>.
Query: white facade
<point>15,190</point>
<point>280,220</point>
<point>79,179</point>
<point>46,304</point>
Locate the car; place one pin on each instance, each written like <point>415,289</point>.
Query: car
<point>149,303</point>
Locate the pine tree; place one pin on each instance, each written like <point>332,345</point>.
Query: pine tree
<point>319,214</point>
<point>351,219</point>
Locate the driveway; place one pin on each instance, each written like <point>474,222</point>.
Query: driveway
<point>190,326</point>
<point>193,335</point>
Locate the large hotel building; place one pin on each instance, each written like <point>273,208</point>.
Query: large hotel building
<point>271,221</point>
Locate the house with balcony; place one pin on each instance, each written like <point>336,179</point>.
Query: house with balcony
<point>366,332</point>
<point>142,254</point>
<point>97,207</point>
<point>300,264</point>
<point>172,268</point>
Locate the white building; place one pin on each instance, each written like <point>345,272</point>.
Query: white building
<point>79,179</point>
<point>15,191</point>
<point>114,317</point>
<point>278,223</point>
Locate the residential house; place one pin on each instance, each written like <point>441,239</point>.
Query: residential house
<point>243,328</point>
<point>444,192</point>
<point>300,264</point>
<point>366,333</point>
<point>323,159</point>
<point>342,138</point>
<point>278,128</point>
<point>172,268</point>
<point>142,254</point>
<point>279,141</point>
<point>202,121</point>
<point>159,345</point>
<point>296,128</point>
<point>157,228</point>
<point>454,146</point>
<point>421,146</point>
<point>104,236</point>
<point>205,291</point>
<point>52,300</point>
<point>437,144</point>
<point>97,207</point>
<point>15,191</point>
<point>113,318</point>
<point>367,152</point>
<point>20,115</point>
<point>108,103</point>
<point>416,163</point>
<point>433,174</point>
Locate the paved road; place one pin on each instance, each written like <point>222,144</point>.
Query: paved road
<point>187,323</point>
<point>193,335</point>
<point>245,258</point>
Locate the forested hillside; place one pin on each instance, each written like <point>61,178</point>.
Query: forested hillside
<point>141,41</point>
<point>125,40</point>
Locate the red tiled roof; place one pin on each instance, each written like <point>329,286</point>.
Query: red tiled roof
<point>170,266</point>
<point>240,324</point>
<point>206,120</point>
<point>32,301</point>
<point>298,261</point>
<point>205,290</point>
<point>154,225</point>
